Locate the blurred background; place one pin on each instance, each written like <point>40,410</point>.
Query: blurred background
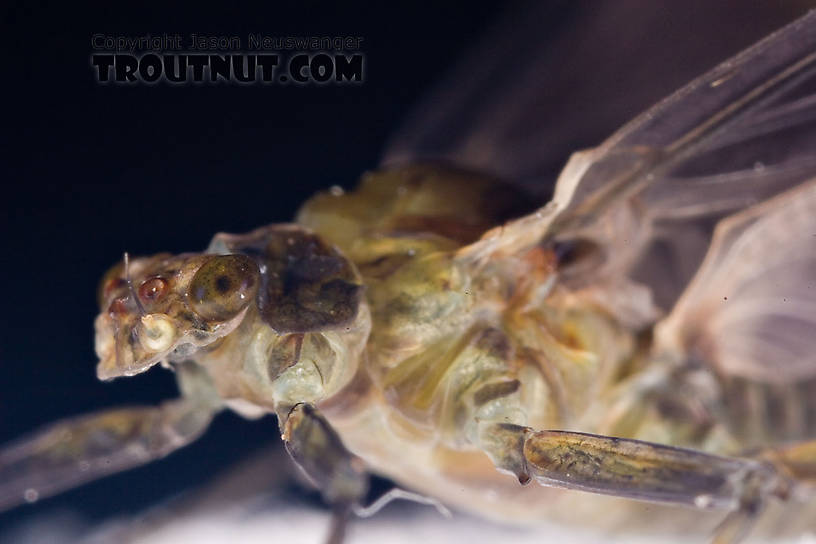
<point>91,170</point>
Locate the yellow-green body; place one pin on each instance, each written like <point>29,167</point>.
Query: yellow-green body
<point>455,341</point>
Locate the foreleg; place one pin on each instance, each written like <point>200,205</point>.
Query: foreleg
<point>80,449</point>
<point>75,451</point>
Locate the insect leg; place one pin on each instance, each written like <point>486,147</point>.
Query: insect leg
<point>77,450</point>
<point>319,452</point>
<point>797,460</point>
<point>634,469</point>
<point>640,470</point>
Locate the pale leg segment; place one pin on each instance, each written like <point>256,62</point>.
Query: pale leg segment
<point>75,451</point>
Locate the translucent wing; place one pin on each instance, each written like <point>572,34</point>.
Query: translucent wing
<point>735,136</point>
<point>646,198</point>
<point>731,137</point>
<point>751,308</point>
<point>553,77</point>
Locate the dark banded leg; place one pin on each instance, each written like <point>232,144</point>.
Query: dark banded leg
<point>318,451</point>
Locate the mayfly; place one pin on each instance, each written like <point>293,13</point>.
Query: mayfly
<point>396,329</point>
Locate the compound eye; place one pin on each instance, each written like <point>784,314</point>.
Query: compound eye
<point>224,286</point>
<point>118,307</point>
<point>152,289</point>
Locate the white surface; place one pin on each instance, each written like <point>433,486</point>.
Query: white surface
<point>257,502</point>
<point>273,521</point>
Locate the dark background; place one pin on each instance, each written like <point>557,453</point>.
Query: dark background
<point>90,171</point>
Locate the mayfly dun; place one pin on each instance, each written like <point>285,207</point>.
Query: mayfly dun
<point>646,337</point>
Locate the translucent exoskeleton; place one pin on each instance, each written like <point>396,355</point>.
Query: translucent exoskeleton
<point>611,346</point>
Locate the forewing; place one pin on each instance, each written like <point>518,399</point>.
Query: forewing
<point>729,138</point>
<point>552,77</point>
<point>647,197</point>
<point>735,136</point>
<point>751,308</point>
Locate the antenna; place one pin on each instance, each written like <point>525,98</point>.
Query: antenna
<point>130,285</point>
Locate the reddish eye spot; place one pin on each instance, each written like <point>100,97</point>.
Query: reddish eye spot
<point>152,289</point>
<point>118,306</point>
